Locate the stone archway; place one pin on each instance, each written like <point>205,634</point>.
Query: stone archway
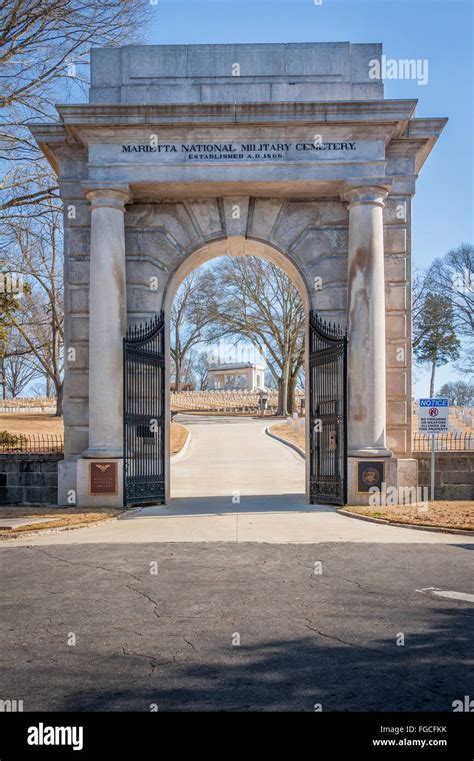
<point>322,171</point>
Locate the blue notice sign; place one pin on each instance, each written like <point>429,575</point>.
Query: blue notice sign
<point>433,415</point>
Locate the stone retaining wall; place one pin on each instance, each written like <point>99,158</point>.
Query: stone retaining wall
<point>454,477</point>
<point>29,479</point>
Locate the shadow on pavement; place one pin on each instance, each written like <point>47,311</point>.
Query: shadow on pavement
<point>272,503</point>
<point>293,674</point>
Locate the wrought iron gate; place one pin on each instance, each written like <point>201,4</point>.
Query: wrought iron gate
<point>328,412</point>
<point>144,413</point>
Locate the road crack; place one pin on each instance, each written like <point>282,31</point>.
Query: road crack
<point>336,639</point>
<point>87,565</point>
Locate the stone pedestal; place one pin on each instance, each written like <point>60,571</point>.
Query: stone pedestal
<point>398,485</point>
<point>67,483</point>
<point>85,483</point>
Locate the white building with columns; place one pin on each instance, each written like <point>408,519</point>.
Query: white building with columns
<point>174,161</point>
<point>244,376</point>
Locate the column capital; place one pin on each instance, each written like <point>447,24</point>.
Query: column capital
<point>366,193</point>
<point>103,194</point>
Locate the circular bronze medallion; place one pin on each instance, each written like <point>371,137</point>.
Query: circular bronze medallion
<point>370,476</point>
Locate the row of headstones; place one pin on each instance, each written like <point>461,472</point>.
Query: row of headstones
<point>226,400</point>
<point>465,415</point>
<point>6,409</point>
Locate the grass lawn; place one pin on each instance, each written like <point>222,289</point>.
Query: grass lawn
<point>26,423</point>
<point>288,432</point>
<point>70,517</point>
<point>443,513</point>
<point>179,434</point>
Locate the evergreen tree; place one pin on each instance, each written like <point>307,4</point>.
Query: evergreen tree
<point>439,343</point>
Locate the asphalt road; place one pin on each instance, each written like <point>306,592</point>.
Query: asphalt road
<point>172,638</point>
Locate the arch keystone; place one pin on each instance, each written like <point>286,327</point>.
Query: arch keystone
<point>236,213</point>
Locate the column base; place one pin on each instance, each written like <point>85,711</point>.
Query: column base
<point>101,453</point>
<point>371,452</point>
<point>382,481</point>
<point>100,482</point>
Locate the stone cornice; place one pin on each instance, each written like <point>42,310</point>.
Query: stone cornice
<point>402,132</point>
<point>245,113</point>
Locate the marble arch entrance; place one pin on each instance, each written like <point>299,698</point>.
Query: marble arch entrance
<point>322,169</point>
<point>147,410</point>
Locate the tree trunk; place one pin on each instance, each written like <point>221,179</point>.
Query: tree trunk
<point>291,393</point>
<point>48,387</point>
<point>432,382</point>
<point>283,390</point>
<point>178,361</point>
<point>59,398</point>
<point>178,371</point>
<point>4,381</point>
<point>280,397</point>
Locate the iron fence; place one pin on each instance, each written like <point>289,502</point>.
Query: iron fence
<point>32,443</point>
<point>444,442</point>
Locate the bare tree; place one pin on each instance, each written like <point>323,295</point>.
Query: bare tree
<point>254,299</point>
<point>44,57</point>
<point>452,277</point>
<point>44,51</point>
<point>201,370</point>
<point>37,255</point>
<point>188,319</point>
<point>19,371</point>
<point>459,393</point>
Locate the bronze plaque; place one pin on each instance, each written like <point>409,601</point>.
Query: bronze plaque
<point>369,474</point>
<point>103,478</point>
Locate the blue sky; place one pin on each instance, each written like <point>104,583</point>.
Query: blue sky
<point>437,30</point>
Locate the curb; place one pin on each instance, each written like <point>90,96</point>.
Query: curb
<point>176,457</point>
<point>57,530</point>
<point>287,443</point>
<point>383,521</point>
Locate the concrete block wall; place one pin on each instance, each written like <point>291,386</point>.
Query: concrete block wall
<point>29,479</point>
<point>454,474</point>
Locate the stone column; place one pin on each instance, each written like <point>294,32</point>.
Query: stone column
<point>107,322</point>
<point>366,322</point>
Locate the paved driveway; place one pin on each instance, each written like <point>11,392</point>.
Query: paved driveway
<point>234,456</point>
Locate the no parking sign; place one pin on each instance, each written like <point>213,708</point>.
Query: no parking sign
<point>433,415</point>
